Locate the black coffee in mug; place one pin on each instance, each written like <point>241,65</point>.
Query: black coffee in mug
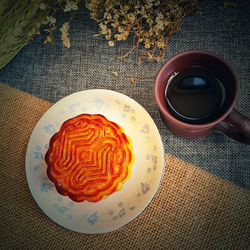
<point>195,96</point>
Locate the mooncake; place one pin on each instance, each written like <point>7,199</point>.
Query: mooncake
<point>89,158</point>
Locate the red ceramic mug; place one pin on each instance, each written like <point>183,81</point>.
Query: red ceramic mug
<point>229,121</point>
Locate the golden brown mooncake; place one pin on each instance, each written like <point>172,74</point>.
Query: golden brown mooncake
<point>89,158</point>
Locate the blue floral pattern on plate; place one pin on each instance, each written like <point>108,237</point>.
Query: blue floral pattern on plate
<point>113,212</point>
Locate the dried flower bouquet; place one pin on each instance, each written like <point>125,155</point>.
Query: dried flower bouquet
<point>151,23</point>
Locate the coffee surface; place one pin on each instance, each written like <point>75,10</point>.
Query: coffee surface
<point>195,96</point>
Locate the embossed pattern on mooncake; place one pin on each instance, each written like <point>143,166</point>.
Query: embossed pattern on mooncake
<point>89,158</point>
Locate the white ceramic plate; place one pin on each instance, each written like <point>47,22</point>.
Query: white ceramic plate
<point>121,207</point>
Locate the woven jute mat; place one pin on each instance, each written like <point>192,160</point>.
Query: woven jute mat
<point>192,208</point>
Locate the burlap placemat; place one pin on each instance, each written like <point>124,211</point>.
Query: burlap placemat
<point>192,208</point>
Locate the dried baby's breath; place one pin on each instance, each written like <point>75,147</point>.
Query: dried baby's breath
<point>151,23</point>
<point>61,6</point>
<point>111,43</point>
<point>70,5</point>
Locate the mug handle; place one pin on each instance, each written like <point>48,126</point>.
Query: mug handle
<point>236,126</point>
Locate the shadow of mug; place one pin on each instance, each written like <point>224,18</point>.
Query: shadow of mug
<point>228,120</point>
